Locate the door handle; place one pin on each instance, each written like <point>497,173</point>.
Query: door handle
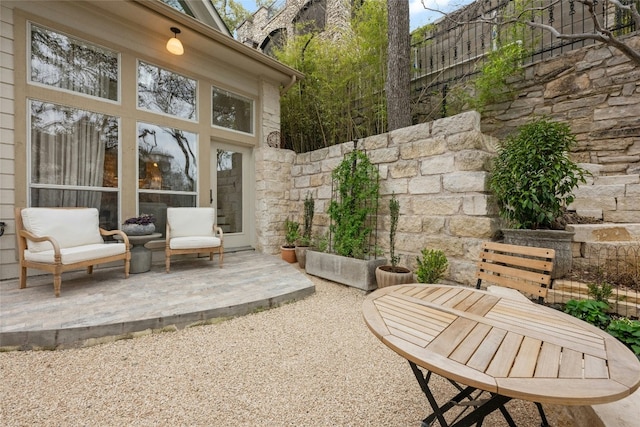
<point>210,196</point>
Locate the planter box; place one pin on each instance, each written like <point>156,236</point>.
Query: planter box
<point>558,240</point>
<point>357,273</point>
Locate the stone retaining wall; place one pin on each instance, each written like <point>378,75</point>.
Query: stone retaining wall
<point>438,171</point>
<point>596,90</point>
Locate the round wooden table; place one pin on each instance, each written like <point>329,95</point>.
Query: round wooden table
<point>507,347</point>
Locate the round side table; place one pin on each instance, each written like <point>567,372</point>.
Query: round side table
<point>140,256</point>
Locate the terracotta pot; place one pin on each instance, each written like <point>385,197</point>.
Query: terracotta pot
<point>288,254</point>
<point>387,276</point>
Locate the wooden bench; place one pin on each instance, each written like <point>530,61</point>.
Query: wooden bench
<point>523,268</point>
<point>63,239</point>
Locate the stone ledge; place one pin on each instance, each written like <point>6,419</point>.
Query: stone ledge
<point>605,232</point>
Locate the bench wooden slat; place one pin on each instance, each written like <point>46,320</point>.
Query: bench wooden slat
<point>524,268</point>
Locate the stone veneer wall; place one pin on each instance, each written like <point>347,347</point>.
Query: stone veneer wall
<point>596,90</point>
<point>437,170</point>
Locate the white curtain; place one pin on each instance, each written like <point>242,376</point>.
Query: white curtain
<point>73,158</point>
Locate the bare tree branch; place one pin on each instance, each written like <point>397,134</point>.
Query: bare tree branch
<point>600,32</point>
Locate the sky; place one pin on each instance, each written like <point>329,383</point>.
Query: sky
<point>417,14</point>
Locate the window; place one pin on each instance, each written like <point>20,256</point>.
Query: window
<point>167,170</point>
<point>66,63</point>
<point>163,91</point>
<point>74,159</point>
<point>232,111</point>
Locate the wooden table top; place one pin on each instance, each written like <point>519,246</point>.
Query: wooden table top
<point>514,348</point>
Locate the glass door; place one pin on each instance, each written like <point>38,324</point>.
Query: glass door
<point>232,193</point>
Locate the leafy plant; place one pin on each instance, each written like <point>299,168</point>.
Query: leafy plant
<point>590,311</point>
<point>533,177</point>
<point>628,332</point>
<point>307,221</point>
<point>600,292</point>
<point>491,85</point>
<point>354,204</point>
<point>291,232</point>
<point>394,213</point>
<point>320,242</point>
<point>431,266</point>
<point>143,219</point>
<point>342,96</point>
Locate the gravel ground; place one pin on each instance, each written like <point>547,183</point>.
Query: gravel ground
<point>312,362</point>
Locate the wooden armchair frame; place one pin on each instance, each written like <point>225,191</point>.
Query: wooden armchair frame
<point>57,267</point>
<point>210,250</point>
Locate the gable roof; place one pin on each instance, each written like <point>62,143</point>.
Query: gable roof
<point>202,10</point>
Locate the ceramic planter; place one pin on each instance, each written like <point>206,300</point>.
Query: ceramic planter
<point>387,276</point>
<point>301,255</point>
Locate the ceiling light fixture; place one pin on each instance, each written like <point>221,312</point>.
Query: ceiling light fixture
<point>174,45</point>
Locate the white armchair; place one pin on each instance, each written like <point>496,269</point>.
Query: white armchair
<point>193,230</point>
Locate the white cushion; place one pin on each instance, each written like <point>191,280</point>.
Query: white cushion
<point>184,222</point>
<point>69,227</point>
<point>78,253</point>
<point>194,242</point>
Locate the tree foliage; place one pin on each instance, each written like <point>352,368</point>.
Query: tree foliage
<point>231,12</point>
<point>341,97</point>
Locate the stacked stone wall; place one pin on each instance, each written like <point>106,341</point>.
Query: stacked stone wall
<point>438,172</point>
<point>596,90</point>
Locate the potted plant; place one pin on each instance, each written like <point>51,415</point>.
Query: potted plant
<point>351,259</point>
<point>304,240</point>
<point>393,274</point>
<point>139,226</point>
<point>431,265</point>
<point>533,180</point>
<point>291,233</point>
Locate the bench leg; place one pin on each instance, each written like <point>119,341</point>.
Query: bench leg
<point>57,283</point>
<point>220,257</point>
<point>167,262</point>
<point>23,277</point>
<point>90,269</point>
<point>127,266</point>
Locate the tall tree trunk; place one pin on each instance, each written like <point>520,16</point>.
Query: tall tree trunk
<point>398,65</point>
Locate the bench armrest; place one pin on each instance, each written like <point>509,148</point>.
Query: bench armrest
<point>218,231</point>
<point>120,233</point>
<point>30,236</point>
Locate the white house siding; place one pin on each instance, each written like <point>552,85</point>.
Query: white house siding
<point>136,32</point>
<point>7,152</point>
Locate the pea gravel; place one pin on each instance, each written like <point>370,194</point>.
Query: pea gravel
<point>312,362</point>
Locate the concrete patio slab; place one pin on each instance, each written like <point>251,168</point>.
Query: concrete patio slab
<point>105,304</point>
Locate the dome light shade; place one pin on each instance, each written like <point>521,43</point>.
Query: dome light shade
<point>174,45</point>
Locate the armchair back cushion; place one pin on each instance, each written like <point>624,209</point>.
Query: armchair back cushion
<point>188,222</point>
<point>69,227</point>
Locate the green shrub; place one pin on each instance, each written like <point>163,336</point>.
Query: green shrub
<point>590,311</point>
<point>533,177</point>
<point>431,266</point>
<point>628,332</point>
<point>601,291</point>
<point>291,232</point>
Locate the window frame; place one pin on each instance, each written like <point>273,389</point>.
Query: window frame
<point>29,81</point>
<point>236,95</point>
